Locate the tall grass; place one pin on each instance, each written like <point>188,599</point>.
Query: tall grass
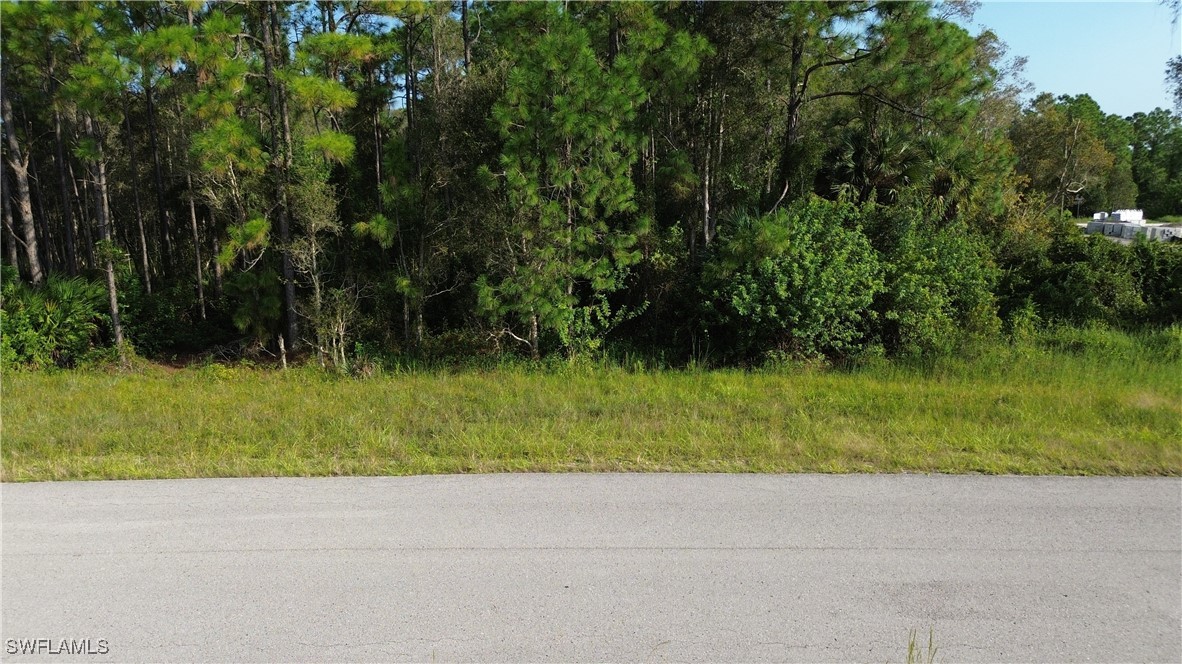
<point>1066,402</point>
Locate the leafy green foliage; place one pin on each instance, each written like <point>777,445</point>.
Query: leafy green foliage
<point>257,305</point>
<point>1157,268</point>
<point>579,178</point>
<point>800,281</point>
<point>1082,279</point>
<point>1068,147</point>
<point>938,285</point>
<point>332,145</point>
<point>567,154</point>
<point>52,326</point>
<point>247,239</point>
<point>167,323</point>
<point>1157,162</point>
<point>380,228</point>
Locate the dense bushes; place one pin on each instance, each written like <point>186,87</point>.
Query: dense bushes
<point>1067,277</point>
<point>1157,269</point>
<point>797,281</point>
<point>832,279</point>
<point>939,284</point>
<point>50,326</point>
<point>168,322</point>
<point>816,279</point>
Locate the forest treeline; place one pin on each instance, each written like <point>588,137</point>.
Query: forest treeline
<point>728,182</point>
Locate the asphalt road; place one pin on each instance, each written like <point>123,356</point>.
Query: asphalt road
<point>596,567</point>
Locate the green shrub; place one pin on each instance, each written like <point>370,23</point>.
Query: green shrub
<point>457,346</point>
<point>53,325</point>
<point>939,283</point>
<point>1086,280</point>
<point>1157,268</point>
<point>257,303</point>
<point>799,281</point>
<point>168,321</point>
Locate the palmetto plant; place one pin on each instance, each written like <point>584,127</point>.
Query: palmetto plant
<point>876,163</point>
<point>54,324</point>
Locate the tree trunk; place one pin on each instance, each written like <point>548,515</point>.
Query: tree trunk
<point>613,37</point>
<point>713,228</point>
<point>67,207</point>
<point>789,151</point>
<point>10,234</point>
<point>409,86</point>
<point>281,158</point>
<point>217,265</point>
<point>406,319</point>
<point>790,148</point>
<point>467,37</point>
<point>534,351</point>
<point>707,162</point>
<point>20,169</point>
<point>84,207</point>
<point>196,243</point>
<point>193,219</point>
<point>317,299</point>
<point>158,181</point>
<point>377,158</point>
<point>102,213</point>
<point>135,189</point>
<point>44,237</point>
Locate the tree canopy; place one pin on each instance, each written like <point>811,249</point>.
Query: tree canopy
<point>343,178</point>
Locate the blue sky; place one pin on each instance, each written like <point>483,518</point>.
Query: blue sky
<point>1114,51</point>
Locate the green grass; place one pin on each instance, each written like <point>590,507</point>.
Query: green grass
<point>1083,402</point>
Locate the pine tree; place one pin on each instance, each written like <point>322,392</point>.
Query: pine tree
<point>96,85</point>
<point>567,158</point>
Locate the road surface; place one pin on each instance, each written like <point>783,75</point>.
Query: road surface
<point>594,568</point>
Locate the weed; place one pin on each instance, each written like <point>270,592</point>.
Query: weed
<point>916,654</point>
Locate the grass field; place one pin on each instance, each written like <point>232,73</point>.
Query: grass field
<point>1074,405</point>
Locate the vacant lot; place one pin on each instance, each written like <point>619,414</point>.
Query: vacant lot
<point>1043,411</point>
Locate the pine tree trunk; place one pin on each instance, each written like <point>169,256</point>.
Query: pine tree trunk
<point>20,171</point>
<point>10,235</point>
<point>707,162</point>
<point>67,206</point>
<point>103,214</point>
<point>135,189</point>
<point>613,38</point>
<point>406,319</point>
<point>789,152</point>
<point>217,265</point>
<point>467,37</point>
<point>44,237</point>
<point>196,235</point>
<point>377,158</point>
<point>196,243</point>
<point>83,220</point>
<point>281,158</point>
<point>534,351</point>
<point>790,148</point>
<point>158,181</point>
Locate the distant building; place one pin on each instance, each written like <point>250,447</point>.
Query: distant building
<point>1128,224</point>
